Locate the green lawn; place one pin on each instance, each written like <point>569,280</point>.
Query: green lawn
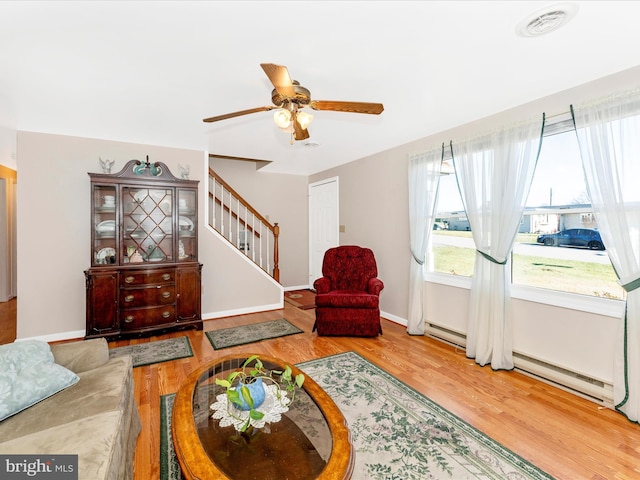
<point>585,278</point>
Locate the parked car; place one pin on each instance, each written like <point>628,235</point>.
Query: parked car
<point>574,237</point>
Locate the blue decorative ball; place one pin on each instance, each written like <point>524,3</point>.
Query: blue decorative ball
<point>256,390</point>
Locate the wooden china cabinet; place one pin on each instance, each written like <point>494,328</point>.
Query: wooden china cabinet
<point>144,274</point>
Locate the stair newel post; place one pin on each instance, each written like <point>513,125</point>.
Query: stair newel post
<point>276,268</point>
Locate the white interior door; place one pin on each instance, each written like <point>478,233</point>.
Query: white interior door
<point>323,223</point>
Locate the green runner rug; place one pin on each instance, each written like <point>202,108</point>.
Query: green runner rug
<point>230,337</point>
<point>156,351</point>
<point>398,433</point>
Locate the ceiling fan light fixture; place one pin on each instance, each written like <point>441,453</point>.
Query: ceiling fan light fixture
<point>282,118</point>
<point>304,119</point>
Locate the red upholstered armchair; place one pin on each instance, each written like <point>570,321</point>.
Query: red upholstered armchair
<point>347,296</point>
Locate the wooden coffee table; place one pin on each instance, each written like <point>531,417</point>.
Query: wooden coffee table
<point>311,441</point>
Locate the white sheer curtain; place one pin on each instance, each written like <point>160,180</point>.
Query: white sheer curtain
<point>424,177</point>
<point>609,136</point>
<point>494,174</point>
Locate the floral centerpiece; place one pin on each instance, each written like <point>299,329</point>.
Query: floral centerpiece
<point>255,395</point>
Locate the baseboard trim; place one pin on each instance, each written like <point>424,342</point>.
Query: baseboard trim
<point>56,337</point>
<point>299,287</point>
<point>242,311</point>
<point>394,318</point>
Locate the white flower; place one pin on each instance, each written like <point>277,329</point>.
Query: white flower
<point>272,408</point>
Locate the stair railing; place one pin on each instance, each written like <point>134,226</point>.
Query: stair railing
<point>237,221</point>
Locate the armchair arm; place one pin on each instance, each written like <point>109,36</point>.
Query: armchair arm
<point>322,285</point>
<point>375,286</point>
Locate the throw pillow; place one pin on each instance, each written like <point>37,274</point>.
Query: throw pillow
<point>28,375</point>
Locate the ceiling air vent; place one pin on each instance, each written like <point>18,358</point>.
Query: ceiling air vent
<point>547,20</point>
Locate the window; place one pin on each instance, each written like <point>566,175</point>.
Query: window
<point>558,246</point>
<point>453,247</point>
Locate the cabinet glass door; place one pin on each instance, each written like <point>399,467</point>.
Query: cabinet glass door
<point>148,225</point>
<point>187,224</point>
<point>104,225</point>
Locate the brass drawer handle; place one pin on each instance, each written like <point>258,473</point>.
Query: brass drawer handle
<point>129,298</point>
<point>166,276</point>
<point>129,279</point>
<point>166,294</point>
<point>129,319</point>
<point>166,314</point>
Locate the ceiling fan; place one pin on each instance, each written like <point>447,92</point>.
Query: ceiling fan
<point>289,98</point>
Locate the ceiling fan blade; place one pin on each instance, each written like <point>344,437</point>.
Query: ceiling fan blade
<point>238,114</point>
<point>354,107</point>
<point>280,78</point>
<point>299,133</point>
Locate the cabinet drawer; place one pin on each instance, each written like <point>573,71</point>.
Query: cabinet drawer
<point>147,317</point>
<point>150,296</point>
<point>135,278</point>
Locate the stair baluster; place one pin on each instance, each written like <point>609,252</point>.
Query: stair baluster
<point>232,216</point>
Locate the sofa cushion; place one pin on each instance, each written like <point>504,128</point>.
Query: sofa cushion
<point>98,440</point>
<point>82,356</point>
<point>347,299</point>
<point>28,375</point>
<point>102,389</point>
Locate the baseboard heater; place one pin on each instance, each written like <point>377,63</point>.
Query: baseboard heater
<point>586,387</point>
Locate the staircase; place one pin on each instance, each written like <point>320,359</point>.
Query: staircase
<point>237,221</point>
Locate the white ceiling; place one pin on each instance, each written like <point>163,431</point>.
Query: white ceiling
<point>149,72</point>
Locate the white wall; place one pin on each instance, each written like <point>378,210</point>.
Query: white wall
<point>8,147</point>
<point>569,338</point>
<point>54,231</point>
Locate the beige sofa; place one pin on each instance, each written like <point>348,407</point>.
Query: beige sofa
<point>96,418</point>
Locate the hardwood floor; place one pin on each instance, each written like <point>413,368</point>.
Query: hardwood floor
<point>565,435</point>
<point>8,316</point>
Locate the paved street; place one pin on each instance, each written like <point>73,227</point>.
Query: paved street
<point>533,249</point>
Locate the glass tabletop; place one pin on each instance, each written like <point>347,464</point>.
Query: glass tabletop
<point>310,441</point>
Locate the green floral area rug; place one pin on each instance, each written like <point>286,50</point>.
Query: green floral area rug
<point>231,337</point>
<point>155,352</point>
<point>397,433</point>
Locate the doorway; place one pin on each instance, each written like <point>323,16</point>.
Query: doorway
<point>8,243</point>
<point>323,223</point>
<point>8,253</point>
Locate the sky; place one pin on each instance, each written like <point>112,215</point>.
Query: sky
<point>558,177</point>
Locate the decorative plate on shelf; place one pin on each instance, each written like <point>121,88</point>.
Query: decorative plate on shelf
<point>137,234</point>
<point>185,223</point>
<point>108,226</point>
<point>105,253</point>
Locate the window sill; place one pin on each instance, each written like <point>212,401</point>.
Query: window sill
<point>583,303</point>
